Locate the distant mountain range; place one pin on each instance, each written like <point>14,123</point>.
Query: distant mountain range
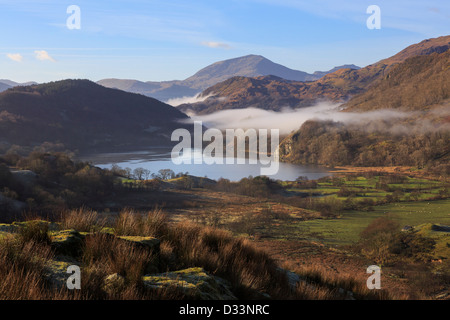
<point>272,93</point>
<point>84,116</point>
<point>247,66</point>
<point>5,84</point>
<point>4,87</point>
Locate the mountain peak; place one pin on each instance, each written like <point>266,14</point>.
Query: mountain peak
<point>251,65</point>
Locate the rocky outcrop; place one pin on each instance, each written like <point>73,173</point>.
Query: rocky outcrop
<point>113,283</point>
<point>50,226</point>
<point>194,283</point>
<point>67,242</point>
<point>56,271</point>
<point>8,228</point>
<point>68,246</point>
<point>440,228</point>
<point>149,243</point>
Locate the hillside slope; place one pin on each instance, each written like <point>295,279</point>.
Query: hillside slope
<point>419,88</point>
<point>340,85</point>
<point>84,115</point>
<point>416,84</point>
<point>269,93</point>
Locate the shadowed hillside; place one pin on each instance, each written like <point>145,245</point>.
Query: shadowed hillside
<point>84,115</point>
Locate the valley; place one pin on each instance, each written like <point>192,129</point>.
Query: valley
<point>364,182</point>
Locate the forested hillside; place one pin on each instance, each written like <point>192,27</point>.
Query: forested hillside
<point>83,115</point>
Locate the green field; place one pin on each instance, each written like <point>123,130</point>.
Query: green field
<point>366,188</point>
<point>346,229</point>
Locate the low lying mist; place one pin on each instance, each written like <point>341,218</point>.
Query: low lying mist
<point>179,101</point>
<point>289,120</point>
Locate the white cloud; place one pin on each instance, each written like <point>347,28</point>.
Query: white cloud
<point>15,57</point>
<point>43,55</point>
<point>213,44</point>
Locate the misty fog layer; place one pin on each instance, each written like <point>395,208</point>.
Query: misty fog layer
<point>291,119</point>
<point>179,101</point>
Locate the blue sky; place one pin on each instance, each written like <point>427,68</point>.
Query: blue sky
<point>166,40</point>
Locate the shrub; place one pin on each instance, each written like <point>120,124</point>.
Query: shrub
<point>130,223</point>
<point>378,226</point>
<point>413,245</point>
<point>116,256</point>
<point>34,231</point>
<point>82,220</point>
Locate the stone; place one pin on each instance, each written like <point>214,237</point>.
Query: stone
<point>113,283</point>
<point>55,271</point>
<point>440,228</point>
<point>407,228</point>
<point>149,243</point>
<point>194,283</point>
<point>8,228</point>
<point>144,242</point>
<point>67,242</point>
<point>52,226</point>
<point>292,278</point>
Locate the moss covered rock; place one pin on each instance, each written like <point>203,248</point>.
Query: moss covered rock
<point>56,271</point>
<point>148,243</point>
<point>52,226</point>
<point>194,283</point>
<point>108,230</point>
<point>144,242</point>
<point>113,283</point>
<point>8,228</point>
<point>67,242</point>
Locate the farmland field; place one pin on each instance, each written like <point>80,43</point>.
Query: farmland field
<point>346,229</point>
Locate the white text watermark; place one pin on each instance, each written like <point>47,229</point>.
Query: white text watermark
<point>235,142</point>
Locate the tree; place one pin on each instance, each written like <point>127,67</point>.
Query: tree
<point>166,174</point>
<point>141,174</point>
<point>378,238</point>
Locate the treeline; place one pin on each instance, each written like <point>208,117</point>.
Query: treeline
<point>48,182</point>
<point>260,187</point>
<point>145,174</point>
<point>334,144</point>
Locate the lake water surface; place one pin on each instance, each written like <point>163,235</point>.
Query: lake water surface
<point>159,158</point>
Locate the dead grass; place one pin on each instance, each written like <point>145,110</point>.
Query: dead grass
<point>236,259</point>
<point>22,268</point>
<point>34,231</point>
<point>252,272</point>
<point>82,220</point>
<point>113,255</point>
<point>336,285</point>
<point>131,223</point>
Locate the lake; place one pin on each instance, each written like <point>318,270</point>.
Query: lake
<point>158,158</point>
